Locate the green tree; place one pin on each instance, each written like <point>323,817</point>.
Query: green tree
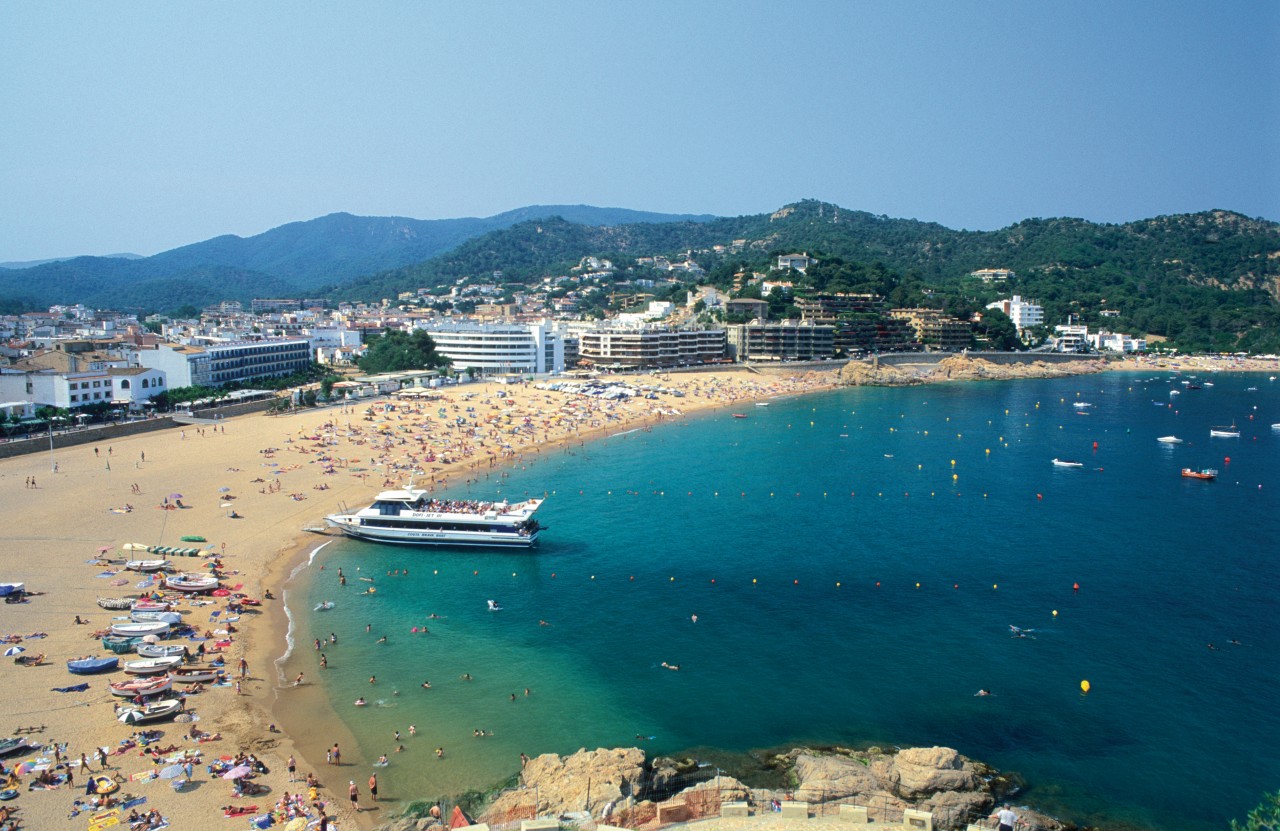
<point>1266,817</point>
<point>999,330</point>
<point>398,351</point>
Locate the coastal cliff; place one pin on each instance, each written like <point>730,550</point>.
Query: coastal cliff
<point>875,373</point>
<point>621,787</point>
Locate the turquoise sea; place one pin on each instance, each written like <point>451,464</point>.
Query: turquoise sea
<point>855,560</point>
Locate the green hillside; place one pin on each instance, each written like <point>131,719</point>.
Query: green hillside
<point>1206,280</point>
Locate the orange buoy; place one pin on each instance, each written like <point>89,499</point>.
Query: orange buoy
<point>1075,587</point>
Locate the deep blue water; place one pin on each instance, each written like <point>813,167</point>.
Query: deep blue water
<point>798,537</point>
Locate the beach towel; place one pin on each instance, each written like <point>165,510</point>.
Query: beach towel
<point>76,688</point>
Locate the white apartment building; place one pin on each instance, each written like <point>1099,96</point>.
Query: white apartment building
<point>215,364</point>
<point>1023,313</point>
<point>986,275</point>
<point>645,347</point>
<point>499,348</point>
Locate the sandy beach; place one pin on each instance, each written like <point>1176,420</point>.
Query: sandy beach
<point>279,474</point>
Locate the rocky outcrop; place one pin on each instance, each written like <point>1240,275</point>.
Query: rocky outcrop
<point>936,779</point>
<point>957,368</point>
<point>628,789</point>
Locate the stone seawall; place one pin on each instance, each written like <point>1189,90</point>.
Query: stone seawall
<point>89,435</point>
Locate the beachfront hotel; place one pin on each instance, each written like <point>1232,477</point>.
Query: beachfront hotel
<point>500,348</point>
<point>651,347</point>
<point>216,363</point>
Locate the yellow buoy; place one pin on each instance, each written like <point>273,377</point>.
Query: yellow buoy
<point>1055,612</point>
<point>1084,686</point>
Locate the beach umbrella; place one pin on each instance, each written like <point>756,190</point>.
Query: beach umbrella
<point>223,489</point>
<point>14,650</point>
<point>171,772</point>
<point>175,496</point>
<point>25,767</point>
<point>132,716</point>
<point>296,824</point>
<point>238,772</point>
<point>104,549</point>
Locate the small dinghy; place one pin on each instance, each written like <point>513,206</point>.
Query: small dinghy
<point>157,650</point>
<point>120,645</point>
<point>148,616</point>
<point>191,582</point>
<point>141,686</point>
<point>9,747</point>
<point>194,675</point>
<point>148,605</point>
<point>168,708</point>
<point>140,630</point>
<point>152,666</point>
<point>91,665</point>
<point>146,565</point>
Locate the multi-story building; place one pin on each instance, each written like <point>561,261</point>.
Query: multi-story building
<point>646,347</point>
<point>986,275</point>
<point>498,348</point>
<point>937,331</point>
<point>862,322</point>
<point>216,364</point>
<point>1023,313</point>
<point>784,340</point>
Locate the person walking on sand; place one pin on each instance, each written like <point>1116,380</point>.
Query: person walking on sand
<point>354,793</point>
<point>244,667</point>
<point>292,766</point>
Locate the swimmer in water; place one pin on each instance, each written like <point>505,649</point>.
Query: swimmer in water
<point>360,702</point>
<point>982,692</point>
<point>382,639</point>
<point>672,667</point>
<point>426,685</point>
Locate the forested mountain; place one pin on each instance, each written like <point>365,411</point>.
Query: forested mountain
<point>1210,279</point>
<point>1206,279</point>
<point>292,260</point>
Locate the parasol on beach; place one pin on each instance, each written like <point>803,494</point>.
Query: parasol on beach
<point>171,772</point>
<point>223,489</point>
<point>238,772</point>
<point>103,549</point>
<point>296,824</point>
<point>14,650</point>
<point>175,496</point>
<point>25,767</point>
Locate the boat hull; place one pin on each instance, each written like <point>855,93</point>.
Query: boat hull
<point>140,630</point>
<point>428,537</point>
<point>92,666</point>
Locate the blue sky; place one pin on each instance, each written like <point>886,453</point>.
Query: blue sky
<point>145,126</point>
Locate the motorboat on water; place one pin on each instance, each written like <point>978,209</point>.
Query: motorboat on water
<point>1207,474</point>
<point>416,517</point>
<point>1232,432</point>
<point>1067,463</point>
<point>1169,440</point>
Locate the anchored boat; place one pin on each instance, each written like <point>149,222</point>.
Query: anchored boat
<point>414,517</point>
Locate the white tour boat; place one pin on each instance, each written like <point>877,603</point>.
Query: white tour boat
<point>414,517</point>
<point>1169,440</point>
